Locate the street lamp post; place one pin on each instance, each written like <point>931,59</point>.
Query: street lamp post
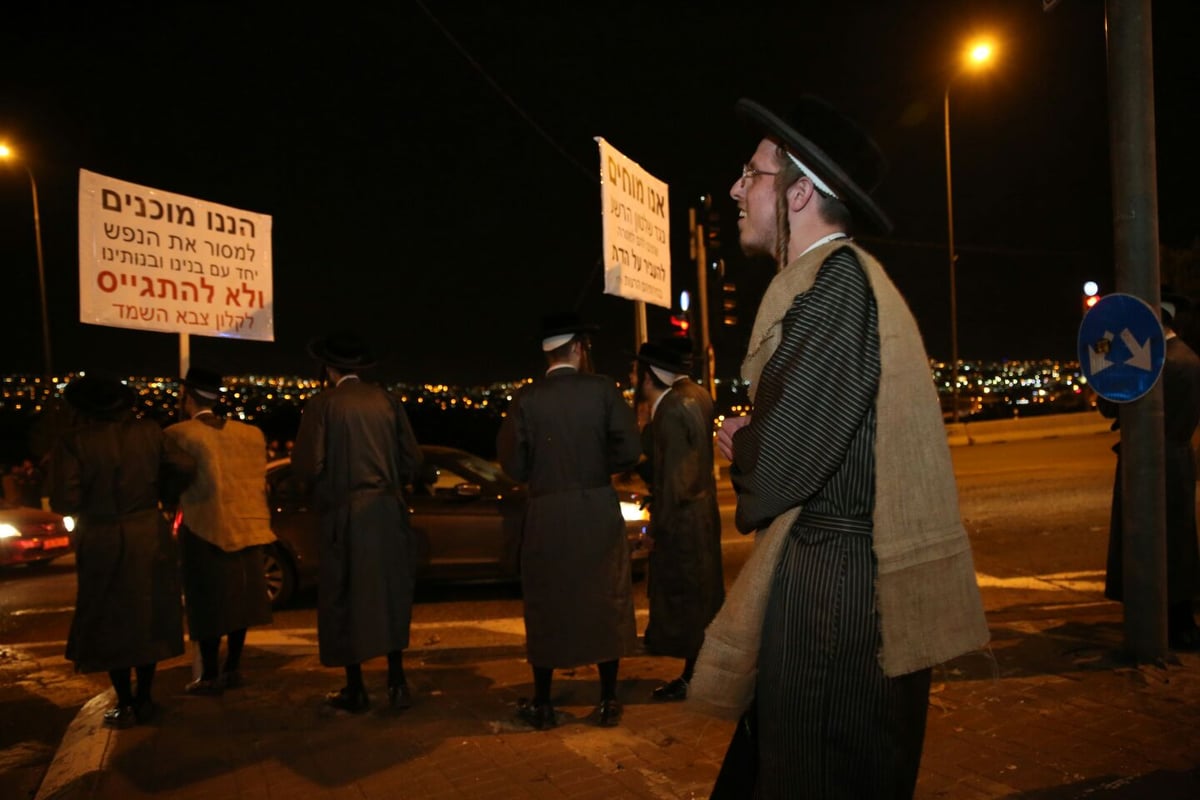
<point>47,362</point>
<point>953,271</point>
<point>978,54</point>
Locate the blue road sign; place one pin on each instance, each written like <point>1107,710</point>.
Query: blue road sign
<point>1121,347</point>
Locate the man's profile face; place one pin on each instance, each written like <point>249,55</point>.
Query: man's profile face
<point>755,197</point>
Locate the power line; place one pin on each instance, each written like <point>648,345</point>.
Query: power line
<point>592,174</point>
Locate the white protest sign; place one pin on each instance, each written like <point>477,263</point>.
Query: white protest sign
<point>637,242</point>
<point>158,261</point>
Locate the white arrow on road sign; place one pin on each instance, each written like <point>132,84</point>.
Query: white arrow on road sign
<point>1141,352</point>
<point>1098,361</point>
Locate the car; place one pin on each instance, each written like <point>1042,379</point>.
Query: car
<point>32,536</point>
<point>466,516</point>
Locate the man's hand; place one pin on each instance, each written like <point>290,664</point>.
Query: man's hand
<point>729,427</point>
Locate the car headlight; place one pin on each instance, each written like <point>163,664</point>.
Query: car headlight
<point>8,531</point>
<point>632,512</point>
<point>69,524</point>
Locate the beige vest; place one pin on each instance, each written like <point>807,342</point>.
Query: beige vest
<point>928,599</point>
<point>226,503</point>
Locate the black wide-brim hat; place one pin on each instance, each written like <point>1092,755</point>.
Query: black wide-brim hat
<point>562,323</point>
<point>1179,303</point>
<point>668,355</point>
<point>342,350</point>
<point>99,394</point>
<point>204,381</point>
<point>830,144</point>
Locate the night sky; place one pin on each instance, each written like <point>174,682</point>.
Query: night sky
<point>431,170</point>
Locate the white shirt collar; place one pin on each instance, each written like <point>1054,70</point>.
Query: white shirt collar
<point>823,240</point>
<point>557,367</point>
<point>654,408</point>
<point>345,378</point>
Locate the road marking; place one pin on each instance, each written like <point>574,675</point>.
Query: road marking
<point>1055,582</point>
<point>25,612</point>
<point>505,625</point>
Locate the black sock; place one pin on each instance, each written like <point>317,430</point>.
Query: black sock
<point>123,685</point>
<point>396,668</point>
<point>233,657</point>
<point>608,679</point>
<point>541,684</point>
<point>689,667</point>
<point>354,681</point>
<point>145,682</point>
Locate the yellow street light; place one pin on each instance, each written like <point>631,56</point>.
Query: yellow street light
<point>7,154</point>
<point>978,55</point>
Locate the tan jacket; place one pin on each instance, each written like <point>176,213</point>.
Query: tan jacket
<point>226,503</point>
<point>929,605</point>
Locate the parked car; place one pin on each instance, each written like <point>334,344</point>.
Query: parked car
<point>32,536</point>
<point>466,517</point>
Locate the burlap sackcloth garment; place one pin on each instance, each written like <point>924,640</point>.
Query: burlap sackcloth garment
<point>930,609</point>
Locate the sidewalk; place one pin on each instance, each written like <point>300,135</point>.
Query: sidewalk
<point>1051,713</point>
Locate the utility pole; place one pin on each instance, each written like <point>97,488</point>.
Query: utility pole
<point>1135,247</point>
<point>699,252</point>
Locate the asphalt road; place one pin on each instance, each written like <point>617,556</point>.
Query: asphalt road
<point>1037,513</point>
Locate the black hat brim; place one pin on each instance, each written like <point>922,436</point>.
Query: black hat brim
<point>816,159</point>
<point>319,350</point>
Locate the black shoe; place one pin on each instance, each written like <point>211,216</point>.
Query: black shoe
<point>608,713</point>
<point>540,716</point>
<point>204,686</point>
<point>344,699</point>
<point>399,697</point>
<point>231,679</point>
<point>673,691</point>
<point>120,717</point>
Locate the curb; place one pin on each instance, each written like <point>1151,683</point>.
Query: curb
<point>81,754</point>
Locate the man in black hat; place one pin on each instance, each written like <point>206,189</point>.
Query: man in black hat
<point>110,471</point>
<point>1181,415</point>
<point>356,446</point>
<point>226,524</point>
<point>686,584</point>
<point>865,578</point>
<point>565,435</point>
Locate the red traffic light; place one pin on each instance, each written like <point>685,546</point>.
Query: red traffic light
<point>680,324</point>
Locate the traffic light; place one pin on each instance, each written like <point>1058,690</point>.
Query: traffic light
<point>712,233</point>
<point>729,303</point>
<point>1091,295</point>
<point>681,323</point>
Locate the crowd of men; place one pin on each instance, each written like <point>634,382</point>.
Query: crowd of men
<point>861,578</point>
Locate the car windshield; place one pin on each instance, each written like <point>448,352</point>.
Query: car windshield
<point>474,467</point>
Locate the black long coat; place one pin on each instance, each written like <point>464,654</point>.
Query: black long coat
<point>1181,415</point>
<point>566,435</point>
<point>111,475</point>
<point>356,446</point>
<point>686,585</point>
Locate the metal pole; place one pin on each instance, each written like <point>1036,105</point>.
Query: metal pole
<point>37,232</point>
<point>1135,246</point>
<point>950,247</point>
<point>702,292</point>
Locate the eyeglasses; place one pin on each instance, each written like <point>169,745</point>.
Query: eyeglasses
<point>749,172</point>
